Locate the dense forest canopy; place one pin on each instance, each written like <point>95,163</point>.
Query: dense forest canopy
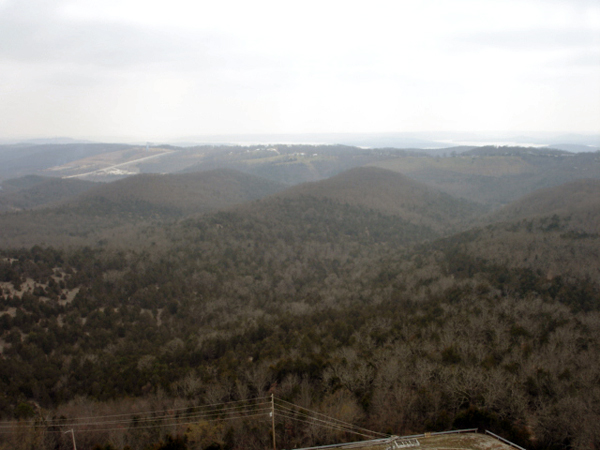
<point>367,296</point>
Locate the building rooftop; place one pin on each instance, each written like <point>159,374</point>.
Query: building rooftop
<point>453,441</point>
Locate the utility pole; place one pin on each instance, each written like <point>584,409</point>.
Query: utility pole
<point>273,419</point>
<point>72,434</point>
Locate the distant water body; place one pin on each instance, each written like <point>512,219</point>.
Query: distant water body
<point>434,140</point>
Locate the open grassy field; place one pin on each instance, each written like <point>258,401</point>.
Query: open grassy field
<point>105,161</point>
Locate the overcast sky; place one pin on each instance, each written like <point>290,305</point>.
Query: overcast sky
<point>158,69</point>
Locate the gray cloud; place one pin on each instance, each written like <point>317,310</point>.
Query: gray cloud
<point>35,32</point>
<point>533,39</point>
<point>585,62</point>
<point>253,71</point>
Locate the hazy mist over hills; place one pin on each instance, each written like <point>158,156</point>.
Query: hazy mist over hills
<point>109,186</point>
<point>424,140</point>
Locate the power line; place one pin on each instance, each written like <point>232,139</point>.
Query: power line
<point>141,416</point>
<point>237,410</point>
<point>180,417</point>
<point>210,405</point>
<point>328,417</point>
<point>264,412</point>
<point>325,424</point>
<point>311,421</point>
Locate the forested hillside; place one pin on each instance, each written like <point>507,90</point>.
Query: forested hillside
<point>580,199</point>
<point>114,211</point>
<point>292,164</point>
<point>176,194</point>
<point>369,314</point>
<point>493,176</point>
<point>496,176</point>
<point>34,191</point>
<point>394,194</point>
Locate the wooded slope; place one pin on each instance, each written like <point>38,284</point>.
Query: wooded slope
<point>34,191</point>
<point>338,296</point>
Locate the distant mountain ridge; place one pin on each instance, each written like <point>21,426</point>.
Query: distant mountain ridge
<point>579,195</point>
<point>496,176</point>
<point>33,191</point>
<point>492,150</point>
<point>26,159</point>
<point>577,204</point>
<point>182,193</point>
<point>128,203</point>
<point>392,193</point>
<point>554,231</point>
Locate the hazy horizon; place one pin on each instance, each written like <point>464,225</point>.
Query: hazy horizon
<point>425,140</point>
<point>159,72</point>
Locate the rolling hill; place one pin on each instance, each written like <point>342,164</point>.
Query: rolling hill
<point>493,176</point>
<point>128,203</point>
<point>578,200</point>
<point>496,176</point>
<point>552,231</point>
<point>34,191</point>
<point>177,194</point>
<point>394,194</point>
<point>337,295</point>
<point>292,164</point>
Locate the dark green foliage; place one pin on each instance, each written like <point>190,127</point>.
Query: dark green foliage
<point>24,411</point>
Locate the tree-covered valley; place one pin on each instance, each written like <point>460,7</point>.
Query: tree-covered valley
<point>389,303</point>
